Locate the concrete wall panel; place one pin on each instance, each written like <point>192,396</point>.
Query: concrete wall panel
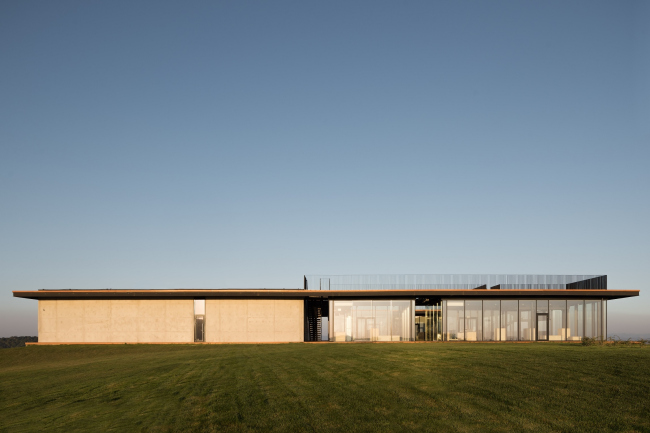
<point>254,320</point>
<point>232,307</point>
<point>47,321</point>
<point>116,321</point>
<point>169,321</point>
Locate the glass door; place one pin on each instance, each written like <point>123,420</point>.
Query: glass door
<point>542,327</point>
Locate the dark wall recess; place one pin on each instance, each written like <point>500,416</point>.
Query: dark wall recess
<point>315,310</point>
<point>598,283</point>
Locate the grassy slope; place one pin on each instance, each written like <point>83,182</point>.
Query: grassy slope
<point>319,387</point>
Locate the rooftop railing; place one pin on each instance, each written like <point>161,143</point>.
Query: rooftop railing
<point>455,282</point>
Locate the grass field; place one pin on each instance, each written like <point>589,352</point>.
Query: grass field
<point>325,387</point>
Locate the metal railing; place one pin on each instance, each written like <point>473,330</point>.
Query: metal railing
<point>446,282</point>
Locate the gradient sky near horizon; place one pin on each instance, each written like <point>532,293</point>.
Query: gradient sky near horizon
<point>244,144</point>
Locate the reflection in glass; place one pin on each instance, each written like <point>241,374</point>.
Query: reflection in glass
<point>325,334</point>
<point>444,319</point>
<point>575,320</point>
<point>542,326</point>
<point>455,321</point>
<point>557,320</point>
<point>371,321</point>
<point>592,319</point>
<point>381,329</point>
<point>509,313</point>
<point>401,321</point>
<point>604,320</point>
<point>473,320</point>
<point>542,306</point>
<point>491,315</point>
<point>342,321</point>
<point>527,322</point>
<point>363,320</point>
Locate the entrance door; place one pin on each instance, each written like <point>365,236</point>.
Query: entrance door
<point>542,327</point>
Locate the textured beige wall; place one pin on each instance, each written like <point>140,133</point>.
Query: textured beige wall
<point>116,321</point>
<point>254,320</point>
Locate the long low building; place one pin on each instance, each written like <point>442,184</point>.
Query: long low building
<point>337,308</point>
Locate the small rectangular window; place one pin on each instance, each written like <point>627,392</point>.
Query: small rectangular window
<point>199,307</point>
<point>199,320</point>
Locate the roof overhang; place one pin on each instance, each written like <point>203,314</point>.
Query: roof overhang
<point>481,293</point>
<point>302,294</point>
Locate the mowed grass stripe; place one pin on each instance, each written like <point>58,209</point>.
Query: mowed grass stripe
<point>345,387</point>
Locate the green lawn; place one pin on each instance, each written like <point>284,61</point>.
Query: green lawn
<point>326,387</point>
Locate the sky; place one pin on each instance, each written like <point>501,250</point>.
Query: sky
<point>152,145</point>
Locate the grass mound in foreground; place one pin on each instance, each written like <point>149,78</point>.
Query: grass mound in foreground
<point>326,387</point>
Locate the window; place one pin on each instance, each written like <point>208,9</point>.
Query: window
<point>509,316</point>
<point>401,316</point>
<point>491,315</point>
<point>371,320</point>
<point>381,327</point>
<point>575,320</point>
<point>592,319</point>
<point>542,306</point>
<point>557,320</point>
<point>199,320</point>
<point>527,320</point>
<point>473,320</point>
<point>342,321</point>
<point>455,320</point>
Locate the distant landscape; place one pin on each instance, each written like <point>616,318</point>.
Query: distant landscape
<point>326,387</point>
<point>9,342</point>
<point>631,336</point>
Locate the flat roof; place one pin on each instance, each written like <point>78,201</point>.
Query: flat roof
<point>301,293</point>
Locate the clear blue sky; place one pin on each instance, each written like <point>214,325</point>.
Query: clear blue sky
<point>244,144</point>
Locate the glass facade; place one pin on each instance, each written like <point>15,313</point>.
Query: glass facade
<point>402,320</point>
<point>557,320</point>
<point>593,325</point>
<point>448,307</point>
<point>523,320</point>
<point>491,320</point>
<point>509,314</point>
<point>604,316</point>
<point>542,326</point>
<point>575,320</point>
<point>372,320</point>
<point>527,320</point>
<point>455,321</point>
<point>473,320</point>
<point>465,320</point>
